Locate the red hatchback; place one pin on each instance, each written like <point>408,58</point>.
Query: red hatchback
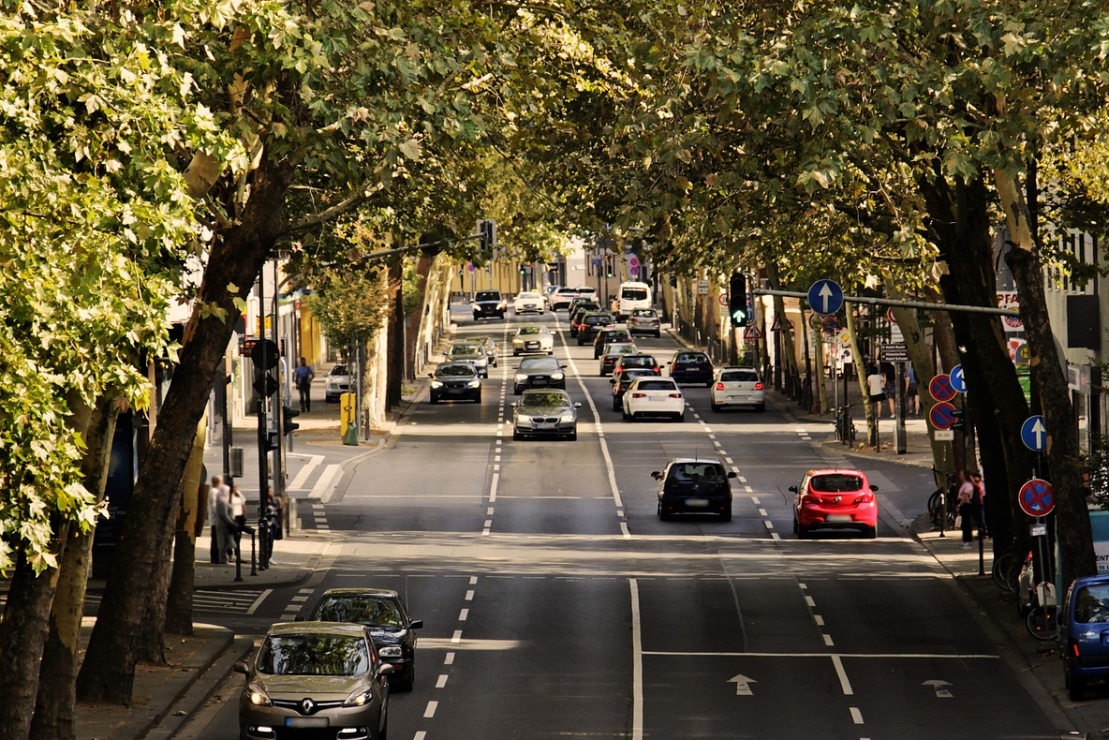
<point>835,498</point>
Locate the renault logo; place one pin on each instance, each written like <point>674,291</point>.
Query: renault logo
<point>307,706</point>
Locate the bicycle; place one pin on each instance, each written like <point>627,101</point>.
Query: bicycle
<point>1041,619</point>
<point>1007,568</point>
<point>845,425</point>
<point>942,499</point>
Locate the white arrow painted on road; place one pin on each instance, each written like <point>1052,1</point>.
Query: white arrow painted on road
<point>941,693</point>
<point>825,293</point>
<point>1039,430</point>
<point>742,685</point>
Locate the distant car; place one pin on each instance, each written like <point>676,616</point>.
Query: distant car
<point>471,353</point>
<point>562,297</point>
<point>538,372</point>
<point>312,678</point>
<point>455,381</point>
<point>532,340</point>
<point>336,384</point>
<point>489,303</point>
<point>738,386</point>
<point>611,354</point>
<point>545,413</point>
<point>652,396</point>
<point>622,380</point>
<point>382,610</point>
<point>694,486</point>
<point>548,291</point>
<point>488,344</point>
<point>835,498</point>
<point>578,312</point>
<point>1085,623</point>
<point>591,323</point>
<point>609,335</point>
<point>691,367</point>
<point>637,360</point>
<point>528,303</point>
<point>644,321</point>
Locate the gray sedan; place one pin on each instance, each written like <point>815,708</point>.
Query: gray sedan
<point>471,353</point>
<point>545,413</point>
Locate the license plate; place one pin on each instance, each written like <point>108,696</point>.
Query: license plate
<point>306,722</point>
<point>539,381</point>
<point>698,502</point>
<point>655,399</point>
<point>838,518</point>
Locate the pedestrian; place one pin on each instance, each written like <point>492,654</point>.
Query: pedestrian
<point>304,376</point>
<point>876,388</point>
<point>912,394</point>
<point>890,374</point>
<point>273,514</point>
<point>225,530</point>
<point>238,514</point>
<point>970,506</point>
<point>218,491</point>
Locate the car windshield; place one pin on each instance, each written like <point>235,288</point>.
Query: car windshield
<point>534,400</point>
<point>539,363</point>
<point>339,370</point>
<point>692,472</point>
<point>455,371</point>
<point>313,655</point>
<point>836,483</point>
<point>1091,604</point>
<point>529,330</point>
<point>657,385</point>
<point>486,295</point>
<point>464,349</point>
<point>374,611</point>
<point>740,376</point>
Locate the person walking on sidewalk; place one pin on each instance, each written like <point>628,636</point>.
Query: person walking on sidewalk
<point>218,490</point>
<point>304,376</point>
<point>876,389</point>
<point>912,394</point>
<point>970,507</point>
<point>238,513</point>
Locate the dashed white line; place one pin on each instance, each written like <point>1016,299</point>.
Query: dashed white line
<point>463,615</point>
<point>470,595</point>
<point>856,716</point>
<point>818,619</point>
<point>449,659</point>
<point>810,602</point>
<point>441,681</point>
<point>843,682</point>
<point>430,711</point>
<point>456,637</point>
<point>828,640</point>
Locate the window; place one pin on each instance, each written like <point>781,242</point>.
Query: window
<point>313,655</point>
<point>836,483</point>
<point>634,294</point>
<point>740,376</point>
<point>1092,604</point>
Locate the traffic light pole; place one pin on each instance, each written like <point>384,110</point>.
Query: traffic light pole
<point>263,452</point>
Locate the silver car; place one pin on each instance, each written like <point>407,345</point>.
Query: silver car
<point>547,413</point>
<point>315,679</point>
<point>644,321</point>
<point>488,344</point>
<point>336,384</point>
<point>471,353</point>
<point>532,340</point>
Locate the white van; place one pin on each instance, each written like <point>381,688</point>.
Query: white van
<point>632,296</point>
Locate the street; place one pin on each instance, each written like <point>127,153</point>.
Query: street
<point>556,603</point>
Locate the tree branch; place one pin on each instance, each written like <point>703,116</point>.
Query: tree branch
<point>346,206</point>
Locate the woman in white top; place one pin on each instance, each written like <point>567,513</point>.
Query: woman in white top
<point>238,513</point>
<point>876,388</point>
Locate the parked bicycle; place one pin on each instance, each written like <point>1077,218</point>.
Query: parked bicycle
<point>941,503</point>
<point>1008,567</point>
<point>1041,619</point>
<point>845,425</point>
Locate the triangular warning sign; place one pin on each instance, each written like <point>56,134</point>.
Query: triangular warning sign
<point>752,332</point>
<point>777,325</point>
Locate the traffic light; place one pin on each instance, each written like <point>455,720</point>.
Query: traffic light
<point>287,423</point>
<point>271,440</point>
<point>487,237</point>
<point>737,300</point>
<point>960,420</point>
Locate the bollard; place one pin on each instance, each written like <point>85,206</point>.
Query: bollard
<point>253,561</point>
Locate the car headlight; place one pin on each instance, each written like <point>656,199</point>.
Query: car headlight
<point>390,651</point>
<point>523,419</point>
<point>258,696</point>
<point>566,418</point>
<point>517,342</point>
<point>359,698</point>
<point>474,384</point>
<point>557,376</point>
<point>436,384</point>
<point>521,377</point>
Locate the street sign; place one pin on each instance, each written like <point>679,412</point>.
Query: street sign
<point>264,354</point>
<point>723,299</point>
<point>752,332</point>
<point>944,435</point>
<point>777,326</point>
<point>633,270</point>
<point>1033,433</point>
<point>702,287</point>
<point>825,296</point>
<point>844,336</point>
<point>958,380</point>
<point>942,415</point>
<point>633,263</point>
<point>1036,497</point>
<point>940,387</point>
<point>893,352</point>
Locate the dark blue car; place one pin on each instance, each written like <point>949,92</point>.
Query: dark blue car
<point>1086,628</point>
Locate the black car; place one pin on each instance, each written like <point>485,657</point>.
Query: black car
<point>591,323</point>
<point>577,312</point>
<point>609,335</point>
<point>694,486</point>
<point>489,303</point>
<point>455,381</point>
<point>691,367</point>
<point>538,372</point>
<point>545,413</point>
<point>622,380</point>
<point>383,612</point>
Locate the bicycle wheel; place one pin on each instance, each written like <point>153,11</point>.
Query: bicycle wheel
<point>1000,570</point>
<point>1010,576</point>
<point>1041,622</point>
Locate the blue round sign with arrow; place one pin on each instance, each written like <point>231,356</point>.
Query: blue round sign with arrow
<point>958,380</point>
<point>1033,432</point>
<point>825,297</point>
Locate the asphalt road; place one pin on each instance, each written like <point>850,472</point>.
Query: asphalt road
<point>557,605</point>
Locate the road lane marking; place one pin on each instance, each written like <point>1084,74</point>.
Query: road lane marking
<point>470,595</point>
<point>449,659</point>
<point>834,656</point>
<point>258,602</point>
<point>856,716</point>
<point>297,483</point>
<point>456,637</point>
<point>441,681</point>
<point>637,663</point>
<point>828,640</point>
<point>818,619</point>
<point>810,602</point>
<point>493,487</point>
<point>430,711</point>
<point>463,615</point>
<point>325,485</point>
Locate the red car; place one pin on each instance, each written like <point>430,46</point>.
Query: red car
<point>835,498</point>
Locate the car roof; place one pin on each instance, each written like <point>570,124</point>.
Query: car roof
<point>836,471</point>
<point>675,460</point>
<point>318,628</point>
<point>738,367</point>
<point>356,591</point>
<point>537,391</point>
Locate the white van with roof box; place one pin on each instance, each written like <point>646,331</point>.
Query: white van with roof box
<point>632,296</point>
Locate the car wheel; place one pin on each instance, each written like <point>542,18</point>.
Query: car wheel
<point>802,532</point>
<point>574,436</point>
<point>658,334</point>
<point>726,515</point>
<point>242,734</point>
<point>500,315</point>
<point>871,533</point>
<point>760,407</point>
<point>625,415</point>
<point>680,417</point>
<point>795,525</point>
<point>434,399</point>
<point>714,406</point>
<point>662,517</point>
<point>516,435</point>
<point>708,384</point>
<point>516,390</point>
<point>383,733</point>
<point>1076,687</point>
<point>407,679</point>
<point>580,340</point>
<point>477,398</point>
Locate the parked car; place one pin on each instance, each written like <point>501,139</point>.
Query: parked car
<point>471,353</point>
<point>591,323</point>
<point>609,335</point>
<point>637,360</point>
<point>562,297</point>
<point>694,486</point>
<point>336,384</point>
<point>578,312</point>
<point>532,340</point>
<point>738,386</point>
<point>538,372</point>
<point>834,498</point>
<point>622,380</point>
<point>1085,623</point>
<point>489,303</point>
<point>528,303</point>
<point>691,367</point>
<point>311,677</point>
<point>486,343</point>
<point>382,610</point>
<point>644,321</point>
<point>652,396</point>
<point>545,413</point>
<point>611,354</point>
<point>455,381</point>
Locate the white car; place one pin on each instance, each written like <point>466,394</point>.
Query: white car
<point>738,386</point>
<point>337,383</point>
<point>653,396</point>
<point>528,302</point>
<point>532,340</point>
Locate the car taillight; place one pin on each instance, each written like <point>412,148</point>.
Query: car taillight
<point>639,395</point>
<point>719,386</point>
<point>1074,648</point>
<point>758,386</point>
<point>866,498</point>
<point>675,395</point>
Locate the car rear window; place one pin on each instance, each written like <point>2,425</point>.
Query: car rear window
<point>598,319</point>
<point>688,358</point>
<point>836,483</point>
<point>691,472</point>
<point>639,361</point>
<point>1091,604</point>
<point>657,385</point>
<point>740,376</point>
<point>634,294</point>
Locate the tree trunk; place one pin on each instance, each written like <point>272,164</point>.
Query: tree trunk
<point>237,256</point>
<point>151,645</point>
<point>395,352</point>
<point>179,603</point>
<point>780,312</point>
<point>54,708</point>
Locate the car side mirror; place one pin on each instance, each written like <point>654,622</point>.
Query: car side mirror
<point>561,367</point>
<point>384,669</point>
<point>431,375</point>
<point>577,405</point>
<point>241,667</point>
<point>873,487</point>
<point>416,624</point>
<point>612,381</point>
<point>732,474</point>
<point>793,489</point>
<point>656,474</point>
<point>513,404</point>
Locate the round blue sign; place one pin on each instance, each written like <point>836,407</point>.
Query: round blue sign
<point>1033,432</point>
<point>825,297</point>
<point>942,415</point>
<point>940,387</point>
<point>1037,497</point>
<point>958,381</point>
